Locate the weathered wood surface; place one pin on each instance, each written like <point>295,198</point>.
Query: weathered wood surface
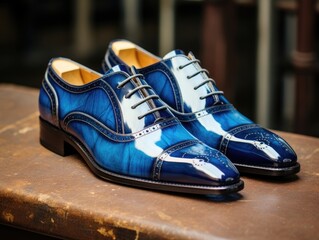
<point>49,194</point>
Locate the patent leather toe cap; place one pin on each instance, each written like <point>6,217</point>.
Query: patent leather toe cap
<point>195,163</point>
<point>259,147</point>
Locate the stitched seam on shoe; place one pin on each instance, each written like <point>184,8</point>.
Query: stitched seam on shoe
<point>101,84</point>
<point>100,168</point>
<point>115,107</point>
<point>227,137</point>
<point>105,66</point>
<point>89,155</point>
<point>169,75</point>
<point>109,133</point>
<point>114,58</point>
<point>53,98</point>
<point>188,117</point>
<point>106,62</point>
<point>161,158</point>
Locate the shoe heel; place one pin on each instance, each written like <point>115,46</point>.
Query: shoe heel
<point>54,139</point>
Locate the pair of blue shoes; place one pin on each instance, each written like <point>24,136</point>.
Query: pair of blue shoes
<point>155,123</point>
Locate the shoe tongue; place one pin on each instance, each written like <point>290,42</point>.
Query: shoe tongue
<point>119,68</point>
<point>173,54</point>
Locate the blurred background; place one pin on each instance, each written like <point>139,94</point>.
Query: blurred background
<point>262,53</point>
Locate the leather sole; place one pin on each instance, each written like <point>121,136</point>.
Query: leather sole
<point>268,171</point>
<point>62,143</point>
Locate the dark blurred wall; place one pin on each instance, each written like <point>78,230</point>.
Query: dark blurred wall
<point>33,31</point>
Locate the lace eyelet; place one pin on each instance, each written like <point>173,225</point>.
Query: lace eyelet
<point>180,67</point>
<point>201,98</point>
<point>139,118</point>
<point>188,77</point>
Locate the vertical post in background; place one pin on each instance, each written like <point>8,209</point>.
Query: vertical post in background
<point>132,23</point>
<point>218,41</point>
<point>166,26</point>
<point>265,68</point>
<point>304,61</point>
<point>289,83</point>
<point>82,34</point>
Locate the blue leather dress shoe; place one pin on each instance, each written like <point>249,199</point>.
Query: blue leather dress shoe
<point>125,133</point>
<point>204,111</point>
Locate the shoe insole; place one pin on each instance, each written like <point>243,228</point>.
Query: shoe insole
<point>132,55</point>
<point>73,73</point>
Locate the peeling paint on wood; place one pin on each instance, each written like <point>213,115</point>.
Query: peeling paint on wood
<point>8,216</point>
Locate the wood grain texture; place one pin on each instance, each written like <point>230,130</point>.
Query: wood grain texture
<point>59,196</point>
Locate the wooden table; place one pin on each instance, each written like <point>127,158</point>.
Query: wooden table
<point>49,194</point>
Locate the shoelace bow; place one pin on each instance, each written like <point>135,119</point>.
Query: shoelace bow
<point>207,80</point>
<point>145,99</point>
